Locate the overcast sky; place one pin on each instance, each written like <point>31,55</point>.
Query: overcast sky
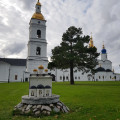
<point>101,17</point>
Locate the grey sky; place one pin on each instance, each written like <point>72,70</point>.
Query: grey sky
<point>101,17</point>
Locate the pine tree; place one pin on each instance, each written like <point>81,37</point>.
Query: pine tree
<point>73,52</point>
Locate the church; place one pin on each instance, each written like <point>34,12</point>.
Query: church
<point>18,70</point>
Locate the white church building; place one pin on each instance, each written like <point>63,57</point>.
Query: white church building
<point>18,70</point>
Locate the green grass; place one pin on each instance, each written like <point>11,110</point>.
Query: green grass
<point>87,100</point>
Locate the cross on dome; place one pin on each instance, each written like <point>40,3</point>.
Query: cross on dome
<point>38,3</point>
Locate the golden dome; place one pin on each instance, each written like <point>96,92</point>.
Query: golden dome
<point>38,3</point>
<point>41,67</point>
<point>46,70</point>
<point>35,70</point>
<point>38,16</point>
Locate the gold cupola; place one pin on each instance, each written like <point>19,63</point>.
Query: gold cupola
<point>38,15</point>
<point>91,42</point>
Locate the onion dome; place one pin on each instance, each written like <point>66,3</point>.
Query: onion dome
<point>32,87</point>
<point>100,69</point>
<point>35,70</point>
<point>41,67</point>
<point>103,51</point>
<point>38,16</point>
<point>46,70</point>
<point>40,87</point>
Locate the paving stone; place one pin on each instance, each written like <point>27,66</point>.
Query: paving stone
<point>48,113</point>
<point>58,107</point>
<point>37,113</point>
<point>51,105</point>
<point>60,104</point>
<point>46,108</point>
<point>34,107</point>
<point>35,110</point>
<point>65,109</point>
<point>28,107</point>
<point>26,112</point>
<point>44,112</point>
<point>19,105</point>
<point>38,106</point>
<point>55,109</point>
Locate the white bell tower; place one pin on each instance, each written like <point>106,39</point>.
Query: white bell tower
<point>37,44</point>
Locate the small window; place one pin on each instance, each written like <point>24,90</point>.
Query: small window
<point>38,8</point>
<point>66,77</point>
<point>39,33</point>
<point>47,93</point>
<point>99,77</point>
<point>16,77</point>
<point>38,51</point>
<point>79,78</point>
<point>103,77</point>
<point>75,77</point>
<point>110,77</point>
<point>40,92</point>
<point>38,22</point>
<point>32,93</point>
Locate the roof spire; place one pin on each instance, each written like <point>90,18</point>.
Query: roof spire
<point>103,45</point>
<point>91,41</point>
<point>38,2</point>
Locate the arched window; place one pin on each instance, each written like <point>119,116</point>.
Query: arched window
<point>38,51</point>
<point>39,33</point>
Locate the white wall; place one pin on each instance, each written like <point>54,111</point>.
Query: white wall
<point>4,71</point>
<point>17,70</point>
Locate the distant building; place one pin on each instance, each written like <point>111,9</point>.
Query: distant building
<point>104,71</point>
<point>17,70</point>
<point>12,70</point>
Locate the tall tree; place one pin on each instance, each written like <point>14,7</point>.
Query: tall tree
<point>74,52</point>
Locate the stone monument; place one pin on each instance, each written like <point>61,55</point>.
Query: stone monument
<point>40,100</point>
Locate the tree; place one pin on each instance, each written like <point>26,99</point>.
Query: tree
<point>74,52</point>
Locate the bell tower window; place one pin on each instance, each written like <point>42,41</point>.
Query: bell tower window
<point>39,33</point>
<point>38,51</point>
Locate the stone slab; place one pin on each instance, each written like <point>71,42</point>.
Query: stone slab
<point>39,101</point>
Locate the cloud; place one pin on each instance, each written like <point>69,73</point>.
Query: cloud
<point>101,18</point>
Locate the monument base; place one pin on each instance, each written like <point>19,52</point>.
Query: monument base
<point>39,101</point>
<point>38,110</point>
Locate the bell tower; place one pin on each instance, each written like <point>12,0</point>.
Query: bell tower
<point>37,44</point>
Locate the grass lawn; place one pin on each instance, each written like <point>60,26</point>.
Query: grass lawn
<point>87,100</point>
